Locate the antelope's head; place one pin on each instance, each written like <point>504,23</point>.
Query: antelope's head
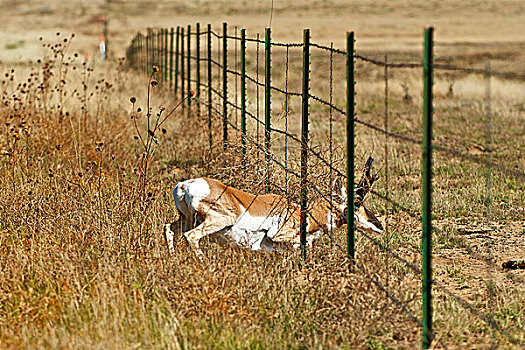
<point>365,219</point>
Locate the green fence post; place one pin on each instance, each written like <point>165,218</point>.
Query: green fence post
<point>350,145</point>
<point>139,53</point>
<point>171,57</point>
<point>148,49</point>
<point>426,242</point>
<point>159,54</point>
<point>160,39</point>
<point>182,75</point>
<point>153,48</point>
<point>198,67</point>
<point>160,60</point>
<point>209,86</point>
<point>243,92</point>
<point>188,61</point>
<point>157,41</point>
<point>106,38</point>
<point>150,60</point>
<point>159,50</point>
<point>225,84</point>
<point>267,102</point>
<point>130,51</point>
<point>166,47</point>
<point>304,140</point>
<point>177,58</point>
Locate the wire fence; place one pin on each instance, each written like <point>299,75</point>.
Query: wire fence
<point>295,139</point>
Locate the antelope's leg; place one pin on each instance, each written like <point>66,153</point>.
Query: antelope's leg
<point>206,228</point>
<point>168,234</point>
<point>176,228</point>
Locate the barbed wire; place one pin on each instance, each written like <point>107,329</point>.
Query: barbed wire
<point>326,48</point>
<point>218,36</point>
<point>367,275</point>
<point>215,62</point>
<point>439,66</point>
<point>489,320</point>
<point>253,80</point>
<point>476,159</point>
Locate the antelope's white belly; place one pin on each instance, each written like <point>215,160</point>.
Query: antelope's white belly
<point>254,232</point>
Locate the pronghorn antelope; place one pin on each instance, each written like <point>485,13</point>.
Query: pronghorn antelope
<point>209,208</point>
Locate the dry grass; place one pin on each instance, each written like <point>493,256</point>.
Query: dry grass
<point>83,263</point>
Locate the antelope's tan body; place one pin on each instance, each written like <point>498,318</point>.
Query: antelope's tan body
<point>207,207</point>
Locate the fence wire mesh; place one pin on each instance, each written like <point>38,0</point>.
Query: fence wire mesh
<point>483,153</point>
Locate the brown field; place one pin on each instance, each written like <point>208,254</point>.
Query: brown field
<point>83,263</point>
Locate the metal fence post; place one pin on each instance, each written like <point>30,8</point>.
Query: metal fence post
<point>166,55</point>
<point>177,58</point>
<point>209,86</point>
<point>159,50</point>
<point>188,61</point>
<point>160,40</point>
<point>426,242</point>
<point>267,102</point>
<point>225,84</point>
<point>182,75</point>
<point>141,52</point>
<point>198,67</point>
<point>488,143</point>
<point>106,37</point>
<point>350,145</point>
<point>157,42</point>
<point>148,51</point>
<point>171,57</point>
<point>243,92</point>
<point>304,140</point>
<point>130,52</point>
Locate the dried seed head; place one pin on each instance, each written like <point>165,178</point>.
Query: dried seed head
<point>155,69</point>
<point>133,100</point>
<point>154,82</point>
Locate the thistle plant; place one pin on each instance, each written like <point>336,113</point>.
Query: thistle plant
<point>148,139</point>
